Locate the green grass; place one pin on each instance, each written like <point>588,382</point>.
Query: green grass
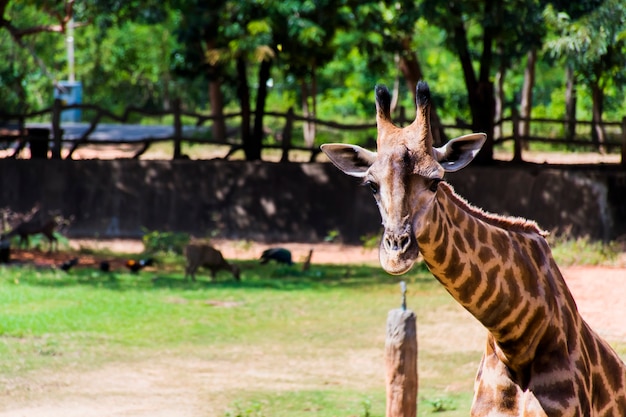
<point>51,321</point>
<point>319,334</point>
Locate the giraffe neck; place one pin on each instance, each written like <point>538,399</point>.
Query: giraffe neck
<point>497,268</point>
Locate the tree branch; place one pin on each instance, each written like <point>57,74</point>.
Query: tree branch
<point>489,25</point>
<point>461,46</point>
<point>17,34</point>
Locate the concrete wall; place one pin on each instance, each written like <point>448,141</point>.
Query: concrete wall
<point>278,202</point>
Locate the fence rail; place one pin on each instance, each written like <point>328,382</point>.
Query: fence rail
<point>15,135</point>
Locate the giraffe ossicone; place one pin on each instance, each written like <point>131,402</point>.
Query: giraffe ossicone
<point>541,358</point>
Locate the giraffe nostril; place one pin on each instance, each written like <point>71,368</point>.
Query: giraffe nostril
<point>396,243</point>
<point>388,242</point>
<point>404,242</point>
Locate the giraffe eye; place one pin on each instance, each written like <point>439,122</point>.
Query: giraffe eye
<point>434,184</point>
<point>373,186</point>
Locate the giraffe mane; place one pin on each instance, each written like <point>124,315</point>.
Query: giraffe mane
<point>515,224</point>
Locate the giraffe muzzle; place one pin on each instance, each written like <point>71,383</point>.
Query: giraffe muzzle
<point>398,252</point>
<point>396,243</point>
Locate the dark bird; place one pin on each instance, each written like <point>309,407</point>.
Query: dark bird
<point>67,265</point>
<point>105,266</point>
<point>280,255</point>
<point>136,266</point>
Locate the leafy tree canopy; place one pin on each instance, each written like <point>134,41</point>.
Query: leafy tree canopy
<point>144,52</point>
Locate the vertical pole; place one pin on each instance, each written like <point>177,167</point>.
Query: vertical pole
<point>57,133</point>
<point>287,134</point>
<point>517,139</point>
<point>624,141</point>
<point>69,39</point>
<point>401,362</point>
<point>178,129</point>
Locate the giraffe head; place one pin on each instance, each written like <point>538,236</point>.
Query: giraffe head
<point>403,174</point>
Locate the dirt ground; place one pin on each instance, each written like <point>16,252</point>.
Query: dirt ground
<point>191,387</point>
<point>164,151</point>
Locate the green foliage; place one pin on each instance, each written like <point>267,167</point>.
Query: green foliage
<point>144,53</point>
<point>332,236</point>
<point>367,408</point>
<point>39,241</point>
<point>130,66</point>
<point>582,251</point>
<point>439,405</point>
<point>371,241</point>
<point>251,410</point>
<point>594,44</point>
<point>167,242</point>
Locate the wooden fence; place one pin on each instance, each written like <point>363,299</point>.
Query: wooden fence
<point>15,135</point>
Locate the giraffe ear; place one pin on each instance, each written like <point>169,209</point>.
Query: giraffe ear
<point>351,159</point>
<point>459,152</point>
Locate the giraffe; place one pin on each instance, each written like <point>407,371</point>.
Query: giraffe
<point>541,358</point>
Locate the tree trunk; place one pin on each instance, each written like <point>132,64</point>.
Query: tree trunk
<point>257,134</point>
<point>479,90</point>
<point>570,104</point>
<point>309,107</point>
<point>216,99</point>
<point>598,134</point>
<point>485,105</point>
<point>483,109</point>
<point>526,102</point>
<point>499,104</point>
<point>217,109</point>
<point>412,71</point>
<point>304,88</point>
<point>243,93</point>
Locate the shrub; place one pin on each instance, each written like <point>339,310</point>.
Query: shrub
<point>157,241</point>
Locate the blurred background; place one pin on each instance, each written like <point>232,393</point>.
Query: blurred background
<point>487,62</point>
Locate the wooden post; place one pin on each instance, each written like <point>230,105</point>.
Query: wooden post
<point>517,139</point>
<point>57,133</point>
<point>39,142</point>
<point>401,362</point>
<point>287,134</point>
<point>624,141</point>
<point>178,129</point>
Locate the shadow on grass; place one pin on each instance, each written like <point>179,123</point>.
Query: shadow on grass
<point>253,276</point>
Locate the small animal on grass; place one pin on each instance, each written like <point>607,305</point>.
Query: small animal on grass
<point>38,222</point>
<point>105,266</point>
<point>202,254</point>
<point>5,251</point>
<point>67,265</point>
<point>280,255</point>
<point>136,266</point>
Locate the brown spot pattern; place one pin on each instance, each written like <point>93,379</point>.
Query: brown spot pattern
<point>508,401</point>
<point>509,281</point>
<point>485,254</point>
<point>455,267</point>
